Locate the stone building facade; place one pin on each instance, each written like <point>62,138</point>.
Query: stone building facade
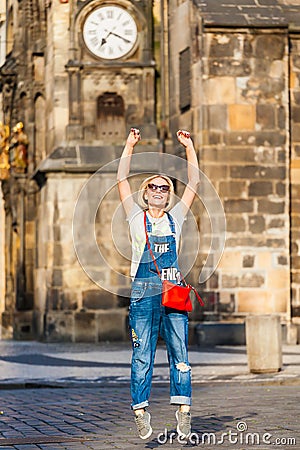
<point>230,74</point>
<point>76,108</point>
<point>241,98</point>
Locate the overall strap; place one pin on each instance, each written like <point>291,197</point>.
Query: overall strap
<point>146,226</point>
<point>149,246</point>
<point>172,223</point>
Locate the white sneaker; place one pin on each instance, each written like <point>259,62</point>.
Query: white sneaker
<point>184,428</point>
<point>142,422</point>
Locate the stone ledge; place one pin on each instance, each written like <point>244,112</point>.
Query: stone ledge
<point>86,326</point>
<point>210,334</point>
<point>242,13</point>
<point>89,158</point>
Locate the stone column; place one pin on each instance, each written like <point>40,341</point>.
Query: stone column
<point>74,128</point>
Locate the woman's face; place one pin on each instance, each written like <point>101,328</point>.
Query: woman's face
<point>157,193</point>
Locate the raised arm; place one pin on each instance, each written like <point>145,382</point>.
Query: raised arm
<point>124,168</point>
<point>192,168</point>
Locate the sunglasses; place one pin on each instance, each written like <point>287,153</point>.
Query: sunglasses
<point>162,188</point>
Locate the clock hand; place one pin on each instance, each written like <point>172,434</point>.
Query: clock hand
<point>121,37</point>
<point>104,40</point>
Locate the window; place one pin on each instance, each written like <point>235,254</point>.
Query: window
<point>110,115</point>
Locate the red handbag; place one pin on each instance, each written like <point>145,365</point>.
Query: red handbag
<point>173,295</point>
<point>176,296</point>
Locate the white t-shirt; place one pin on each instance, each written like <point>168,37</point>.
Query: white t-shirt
<point>160,227</point>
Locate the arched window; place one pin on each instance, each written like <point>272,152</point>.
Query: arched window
<point>110,117</point>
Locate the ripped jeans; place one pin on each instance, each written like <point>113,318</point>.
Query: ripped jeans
<point>147,319</point>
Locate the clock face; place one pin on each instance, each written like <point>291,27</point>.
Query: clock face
<point>110,32</point>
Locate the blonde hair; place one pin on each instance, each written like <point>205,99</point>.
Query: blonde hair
<point>143,188</point>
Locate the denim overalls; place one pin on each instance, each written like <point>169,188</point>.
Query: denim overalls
<point>148,318</point>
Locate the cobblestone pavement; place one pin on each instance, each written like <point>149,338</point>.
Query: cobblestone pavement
<point>224,416</point>
<point>76,396</point>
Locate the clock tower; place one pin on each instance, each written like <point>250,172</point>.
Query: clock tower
<point>100,82</point>
<point>111,72</point>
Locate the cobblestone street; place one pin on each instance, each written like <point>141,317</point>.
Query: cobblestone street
<point>76,396</point>
<point>224,416</point>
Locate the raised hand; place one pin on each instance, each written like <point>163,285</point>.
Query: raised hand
<point>133,137</point>
<point>184,137</point>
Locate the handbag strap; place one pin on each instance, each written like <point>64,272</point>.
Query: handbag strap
<point>197,295</point>
<point>156,266</point>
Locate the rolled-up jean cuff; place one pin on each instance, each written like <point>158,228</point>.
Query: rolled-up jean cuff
<point>140,405</point>
<point>180,400</point>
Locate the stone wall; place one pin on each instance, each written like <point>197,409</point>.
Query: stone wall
<point>134,86</point>
<point>60,90</point>
<point>244,119</point>
<point>77,298</point>
<point>239,119</point>
<point>245,153</point>
<point>295,172</point>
